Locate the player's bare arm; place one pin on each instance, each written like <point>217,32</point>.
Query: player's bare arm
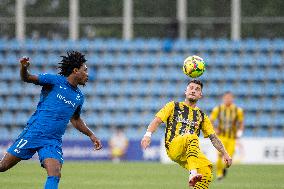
<point>146,140</point>
<point>217,143</point>
<point>25,75</point>
<point>220,147</point>
<point>241,129</point>
<point>81,126</point>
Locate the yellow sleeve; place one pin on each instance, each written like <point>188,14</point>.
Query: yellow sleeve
<point>207,127</point>
<point>240,114</point>
<point>166,111</point>
<point>214,113</point>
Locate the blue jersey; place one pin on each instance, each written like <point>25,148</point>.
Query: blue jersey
<point>58,102</point>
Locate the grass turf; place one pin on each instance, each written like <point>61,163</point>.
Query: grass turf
<point>106,175</point>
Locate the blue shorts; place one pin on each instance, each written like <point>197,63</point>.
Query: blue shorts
<point>25,148</point>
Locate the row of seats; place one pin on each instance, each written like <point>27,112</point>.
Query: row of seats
<point>145,45</point>
<point>139,104</point>
<point>173,73</point>
<point>131,118</point>
<point>137,133</point>
<point>214,60</point>
<point>132,88</point>
<point>157,73</point>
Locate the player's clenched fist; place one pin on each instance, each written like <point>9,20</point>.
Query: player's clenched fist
<point>145,142</point>
<point>227,160</point>
<point>25,61</point>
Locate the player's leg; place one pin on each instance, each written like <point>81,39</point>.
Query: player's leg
<point>8,161</point>
<point>186,152</point>
<point>53,169</point>
<point>177,148</point>
<point>195,160</point>
<point>192,150</point>
<point>51,159</point>
<point>185,147</point>
<point>177,152</point>
<point>207,177</point>
<point>21,149</point>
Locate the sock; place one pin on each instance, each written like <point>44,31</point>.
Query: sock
<point>52,182</point>
<point>192,172</point>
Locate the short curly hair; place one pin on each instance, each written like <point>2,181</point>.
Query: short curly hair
<point>73,60</point>
<point>196,81</point>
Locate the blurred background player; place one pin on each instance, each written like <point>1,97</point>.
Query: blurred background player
<point>118,145</point>
<point>184,120</point>
<point>229,127</point>
<point>60,102</point>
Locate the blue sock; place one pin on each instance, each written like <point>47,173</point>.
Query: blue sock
<point>51,182</point>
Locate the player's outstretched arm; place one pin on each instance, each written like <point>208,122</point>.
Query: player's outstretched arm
<point>25,75</point>
<point>220,147</point>
<point>146,140</point>
<point>81,126</point>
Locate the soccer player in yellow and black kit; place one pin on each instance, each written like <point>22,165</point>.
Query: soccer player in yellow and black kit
<point>184,121</point>
<point>230,127</point>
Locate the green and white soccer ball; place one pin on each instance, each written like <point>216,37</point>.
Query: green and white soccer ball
<point>193,66</point>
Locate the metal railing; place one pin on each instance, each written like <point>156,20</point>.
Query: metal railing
<point>128,21</point>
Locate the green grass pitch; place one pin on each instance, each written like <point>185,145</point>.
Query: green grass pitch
<point>105,175</point>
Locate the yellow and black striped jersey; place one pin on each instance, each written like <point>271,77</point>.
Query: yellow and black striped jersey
<point>227,117</point>
<point>181,118</point>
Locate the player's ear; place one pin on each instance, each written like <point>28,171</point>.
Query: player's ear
<point>75,70</point>
<point>185,91</point>
<point>201,95</point>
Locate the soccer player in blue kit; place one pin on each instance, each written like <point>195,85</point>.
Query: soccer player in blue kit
<point>60,102</point>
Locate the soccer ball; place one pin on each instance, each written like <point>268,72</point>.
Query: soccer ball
<point>193,66</point>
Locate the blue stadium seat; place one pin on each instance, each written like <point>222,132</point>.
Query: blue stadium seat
<point>276,132</point>
<point>12,59</point>
<point>3,44</point>
<point>279,119</point>
<point>39,59</point>
<point>264,119</point>
<point>264,45</point>
<point>15,132</point>
<point>222,45</point>
<point>103,133</point>
<point>249,45</point>
<point>7,73</point>
<point>5,134</point>
<point>25,103</point>
<point>250,119</point>
<point>263,132</point>
<point>2,58</point>
<point>253,104</point>
<point>249,133</point>
<point>133,133</point>
<point>276,60</point>
<point>13,45</point>
<point>7,118</point>
<point>21,118</point>
<point>11,103</point>
<point>278,45</point>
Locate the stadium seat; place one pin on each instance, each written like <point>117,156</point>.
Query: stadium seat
<point>5,133</point>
